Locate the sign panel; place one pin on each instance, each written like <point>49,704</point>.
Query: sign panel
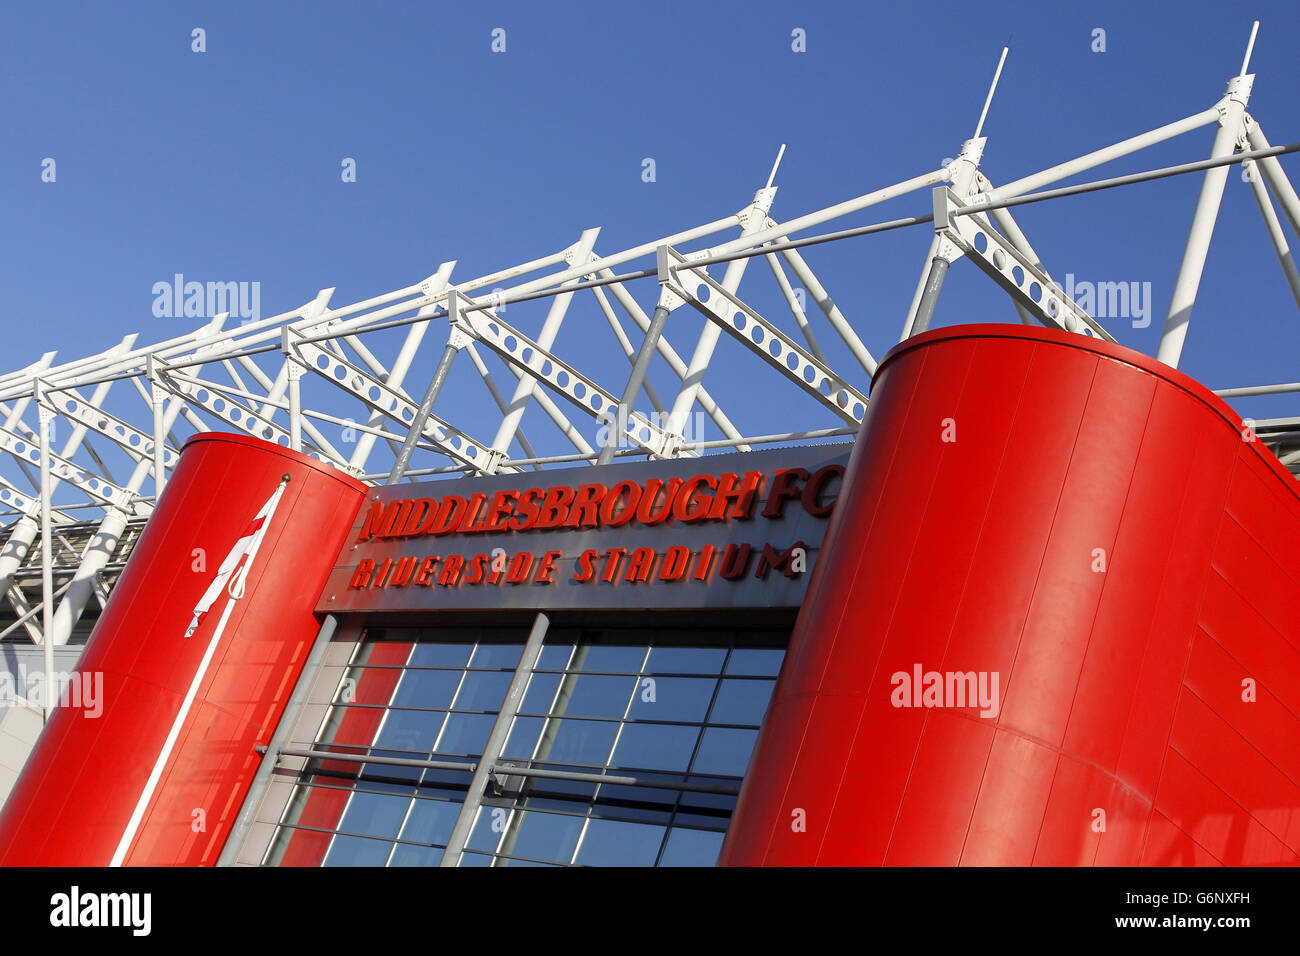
<point>737,530</point>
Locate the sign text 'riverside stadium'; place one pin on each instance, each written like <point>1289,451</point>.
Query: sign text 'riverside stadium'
<point>699,499</point>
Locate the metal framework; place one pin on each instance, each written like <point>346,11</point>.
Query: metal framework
<point>78,481</point>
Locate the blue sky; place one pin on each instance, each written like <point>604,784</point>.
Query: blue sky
<point>225,165</point>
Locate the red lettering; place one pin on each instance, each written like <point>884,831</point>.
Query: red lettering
<point>471,512</point>
<point>704,563</point>
<point>476,566</point>
<point>744,494</point>
<point>402,572</point>
<point>361,576</point>
<point>381,576</point>
<point>520,565</point>
<point>735,560</point>
<point>612,558</point>
<point>783,489</point>
<point>676,560</point>
<point>380,519</point>
<point>499,511</point>
<point>586,570</point>
<point>449,514</point>
<point>645,511</point>
<point>639,565</point>
<point>813,490</point>
<point>555,506</point>
<point>546,568</point>
<point>526,509</point>
<point>424,576</point>
<point>780,560</point>
<point>685,507</point>
<point>586,504</point>
<point>607,516</point>
<point>421,509</point>
<point>451,569</point>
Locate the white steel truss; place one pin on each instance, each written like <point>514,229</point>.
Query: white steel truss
<point>314,378</point>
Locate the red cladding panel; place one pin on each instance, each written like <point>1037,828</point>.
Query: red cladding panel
<point>1086,530</point>
<point>80,785</point>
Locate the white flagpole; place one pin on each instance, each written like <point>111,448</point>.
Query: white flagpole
<point>137,815</point>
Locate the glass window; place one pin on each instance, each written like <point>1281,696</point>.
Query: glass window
<point>375,814</point>
<point>577,741</point>
<point>554,657</point>
<point>687,847</point>
<point>618,658</point>
<point>741,702</point>
<point>497,655</point>
<point>430,821</point>
<point>465,734</point>
<point>685,660</point>
<point>542,836</point>
<point>591,695</point>
<point>658,704</point>
<point>523,737</point>
<point>540,693</point>
<point>614,843</point>
<point>673,698</point>
<point>422,688</point>
<point>758,661</point>
<point>411,730</point>
<point>405,855</point>
<point>655,746</point>
<point>483,690</point>
<point>725,751</point>
<point>441,655</point>
<point>357,851</point>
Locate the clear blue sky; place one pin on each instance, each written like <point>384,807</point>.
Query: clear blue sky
<point>225,165</point>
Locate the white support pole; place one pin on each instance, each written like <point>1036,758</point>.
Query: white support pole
<point>796,309</point>
<point>829,309</point>
<point>527,386</point>
<point>101,547</point>
<point>675,361</point>
<point>47,570</point>
<point>1276,178</point>
<point>753,219</point>
<point>497,397</point>
<point>962,173</point>
<point>1274,228</point>
<point>1097,157</point>
<point>401,365</point>
<point>295,406</point>
<point>1188,282</point>
<point>159,398</point>
<point>625,343</point>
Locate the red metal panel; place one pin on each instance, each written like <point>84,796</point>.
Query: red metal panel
<point>981,555</point>
<point>77,792</point>
<point>936,811</point>
<point>1013,795</point>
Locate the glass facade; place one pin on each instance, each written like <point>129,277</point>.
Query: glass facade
<point>626,749</point>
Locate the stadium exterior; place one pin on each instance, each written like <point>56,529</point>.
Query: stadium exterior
<point>1014,594</point>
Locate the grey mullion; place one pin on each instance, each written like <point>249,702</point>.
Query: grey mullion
<point>522,859</point>
<point>379,729</point>
<point>713,700</point>
<point>646,720</point>
<point>618,735</point>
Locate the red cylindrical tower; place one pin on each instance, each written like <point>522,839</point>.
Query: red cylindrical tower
<point>83,782</point>
<point>1053,622</point>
